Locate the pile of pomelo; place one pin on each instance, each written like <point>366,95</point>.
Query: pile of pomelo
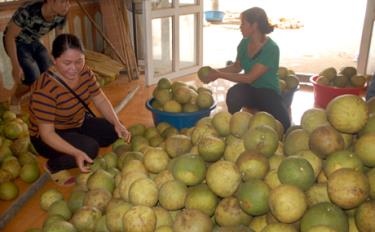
<point>346,77</point>
<point>177,96</point>
<point>17,157</point>
<point>287,79</point>
<point>237,172</point>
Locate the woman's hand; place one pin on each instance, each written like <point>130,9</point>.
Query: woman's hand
<point>81,158</point>
<point>122,132</point>
<point>211,76</point>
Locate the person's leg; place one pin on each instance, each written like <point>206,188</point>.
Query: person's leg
<point>371,89</point>
<point>269,101</point>
<point>40,54</point>
<point>99,129</point>
<point>238,97</point>
<point>58,161</point>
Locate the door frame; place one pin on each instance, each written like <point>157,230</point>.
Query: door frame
<point>174,12</point>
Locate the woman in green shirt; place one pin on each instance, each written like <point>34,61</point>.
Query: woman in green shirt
<point>258,55</point>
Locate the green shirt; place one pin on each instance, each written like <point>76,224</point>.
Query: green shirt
<point>268,56</point>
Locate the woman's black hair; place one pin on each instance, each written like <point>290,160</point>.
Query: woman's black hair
<point>64,42</point>
<point>258,15</point>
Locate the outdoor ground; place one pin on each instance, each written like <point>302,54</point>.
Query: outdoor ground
<point>329,33</point>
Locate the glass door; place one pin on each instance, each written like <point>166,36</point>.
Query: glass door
<point>366,57</point>
<point>173,38</point>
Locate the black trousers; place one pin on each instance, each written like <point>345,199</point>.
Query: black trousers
<point>93,134</point>
<point>261,99</point>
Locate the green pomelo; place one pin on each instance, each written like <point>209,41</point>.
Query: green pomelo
<point>49,197</point>
<point>202,198</point>
<point>325,214</point>
<point>59,226</point>
<point>172,106</point>
<point>329,73</point>
<point>143,192</point>
<point>211,148</point>
<point>156,160</point>
<point>252,165</point>
<point>205,100</point>
<point>177,145</point>
<point>313,159</point>
<point>233,149</point>
<point>75,200</point>
<point>297,172</point>
<point>221,122</point>
<point>8,191</point>
<point>114,214</point>
<point>163,95</point>
<point>30,172</point>
<point>371,180</point>
<point>364,148</point>
<point>190,169</point>
<point>263,139</point>
<point>317,193</point>
<point>163,217</point>
<point>84,219</point>
<point>239,123</point>
<point>313,118</point>
<point>97,198</point>
<point>296,141</point>
<point>182,94</point>
<point>61,208</point>
<point>279,227</point>
<point>164,83</point>
<point>101,179</point>
<point>127,180</point>
<point>342,159</point>
<point>271,179</point>
<point>189,107</point>
<point>203,72</point>
<point>262,118</point>
<point>253,197</point>
<point>201,131</point>
<point>172,195</point>
<point>12,130</point>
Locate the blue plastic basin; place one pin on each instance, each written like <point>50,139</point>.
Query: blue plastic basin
<point>178,120</point>
<point>214,16</point>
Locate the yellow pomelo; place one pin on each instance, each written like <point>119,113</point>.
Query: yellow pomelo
<point>317,193</point>
<point>325,140</point>
<point>364,217</point>
<point>347,113</point>
<point>223,178</point>
<point>348,188</point>
<point>342,159</point>
<point>263,139</point>
<point>295,141</point>
<point>190,169</point>
<point>252,165</point>
<point>287,203</point>
<point>279,227</point>
<point>364,148</point>
<point>313,118</point>
<point>202,198</point>
<point>239,123</point>
<point>139,219</point>
<point>229,213</point>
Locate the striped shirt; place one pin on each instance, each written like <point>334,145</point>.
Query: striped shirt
<point>29,17</point>
<point>51,102</point>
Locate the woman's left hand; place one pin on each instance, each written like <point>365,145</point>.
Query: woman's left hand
<point>122,132</point>
<point>212,75</point>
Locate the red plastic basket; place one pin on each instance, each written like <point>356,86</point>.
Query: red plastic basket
<point>324,94</point>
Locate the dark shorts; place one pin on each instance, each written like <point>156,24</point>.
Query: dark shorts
<point>93,134</point>
<point>33,59</point>
<point>262,99</point>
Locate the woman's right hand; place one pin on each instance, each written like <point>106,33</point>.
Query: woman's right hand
<point>82,158</point>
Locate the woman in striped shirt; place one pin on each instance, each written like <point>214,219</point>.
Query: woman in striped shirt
<point>60,127</point>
